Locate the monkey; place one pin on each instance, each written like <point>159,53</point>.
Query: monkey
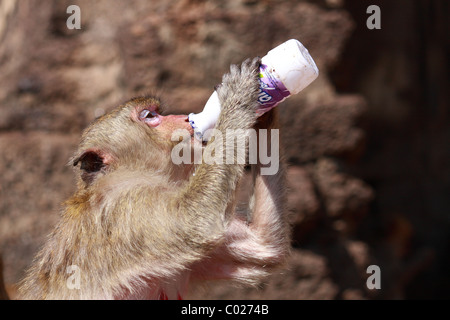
<point>140,227</point>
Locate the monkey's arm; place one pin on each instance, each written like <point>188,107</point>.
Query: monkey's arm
<point>252,248</point>
<point>206,199</point>
<point>268,220</point>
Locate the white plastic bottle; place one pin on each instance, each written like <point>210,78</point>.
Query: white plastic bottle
<point>284,71</point>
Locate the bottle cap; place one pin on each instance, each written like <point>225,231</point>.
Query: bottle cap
<point>293,65</point>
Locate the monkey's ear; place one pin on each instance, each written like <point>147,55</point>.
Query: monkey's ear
<point>92,162</point>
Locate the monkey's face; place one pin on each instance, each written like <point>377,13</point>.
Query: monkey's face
<point>162,127</point>
<point>133,136</point>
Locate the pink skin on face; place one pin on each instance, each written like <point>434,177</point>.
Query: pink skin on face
<point>164,124</point>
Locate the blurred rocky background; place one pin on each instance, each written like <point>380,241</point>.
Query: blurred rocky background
<point>368,142</point>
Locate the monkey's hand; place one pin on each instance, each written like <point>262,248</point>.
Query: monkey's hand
<point>238,95</point>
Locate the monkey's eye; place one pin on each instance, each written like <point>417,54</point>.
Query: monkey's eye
<point>150,117</point>
<point>147,114</point>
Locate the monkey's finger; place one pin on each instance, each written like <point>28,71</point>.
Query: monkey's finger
<point>251,66</point>
<point>235,69</point>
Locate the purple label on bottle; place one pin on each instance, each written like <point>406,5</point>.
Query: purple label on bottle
<point>271,90</point>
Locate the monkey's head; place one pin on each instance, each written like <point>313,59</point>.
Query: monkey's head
<point>133,136</point>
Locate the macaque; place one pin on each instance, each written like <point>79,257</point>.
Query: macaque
<point>141,227</point>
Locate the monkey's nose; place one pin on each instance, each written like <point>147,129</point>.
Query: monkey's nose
<point>180,121</point>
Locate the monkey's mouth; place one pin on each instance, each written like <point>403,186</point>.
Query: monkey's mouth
<point>197,140</point>
<point>190,128</point>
